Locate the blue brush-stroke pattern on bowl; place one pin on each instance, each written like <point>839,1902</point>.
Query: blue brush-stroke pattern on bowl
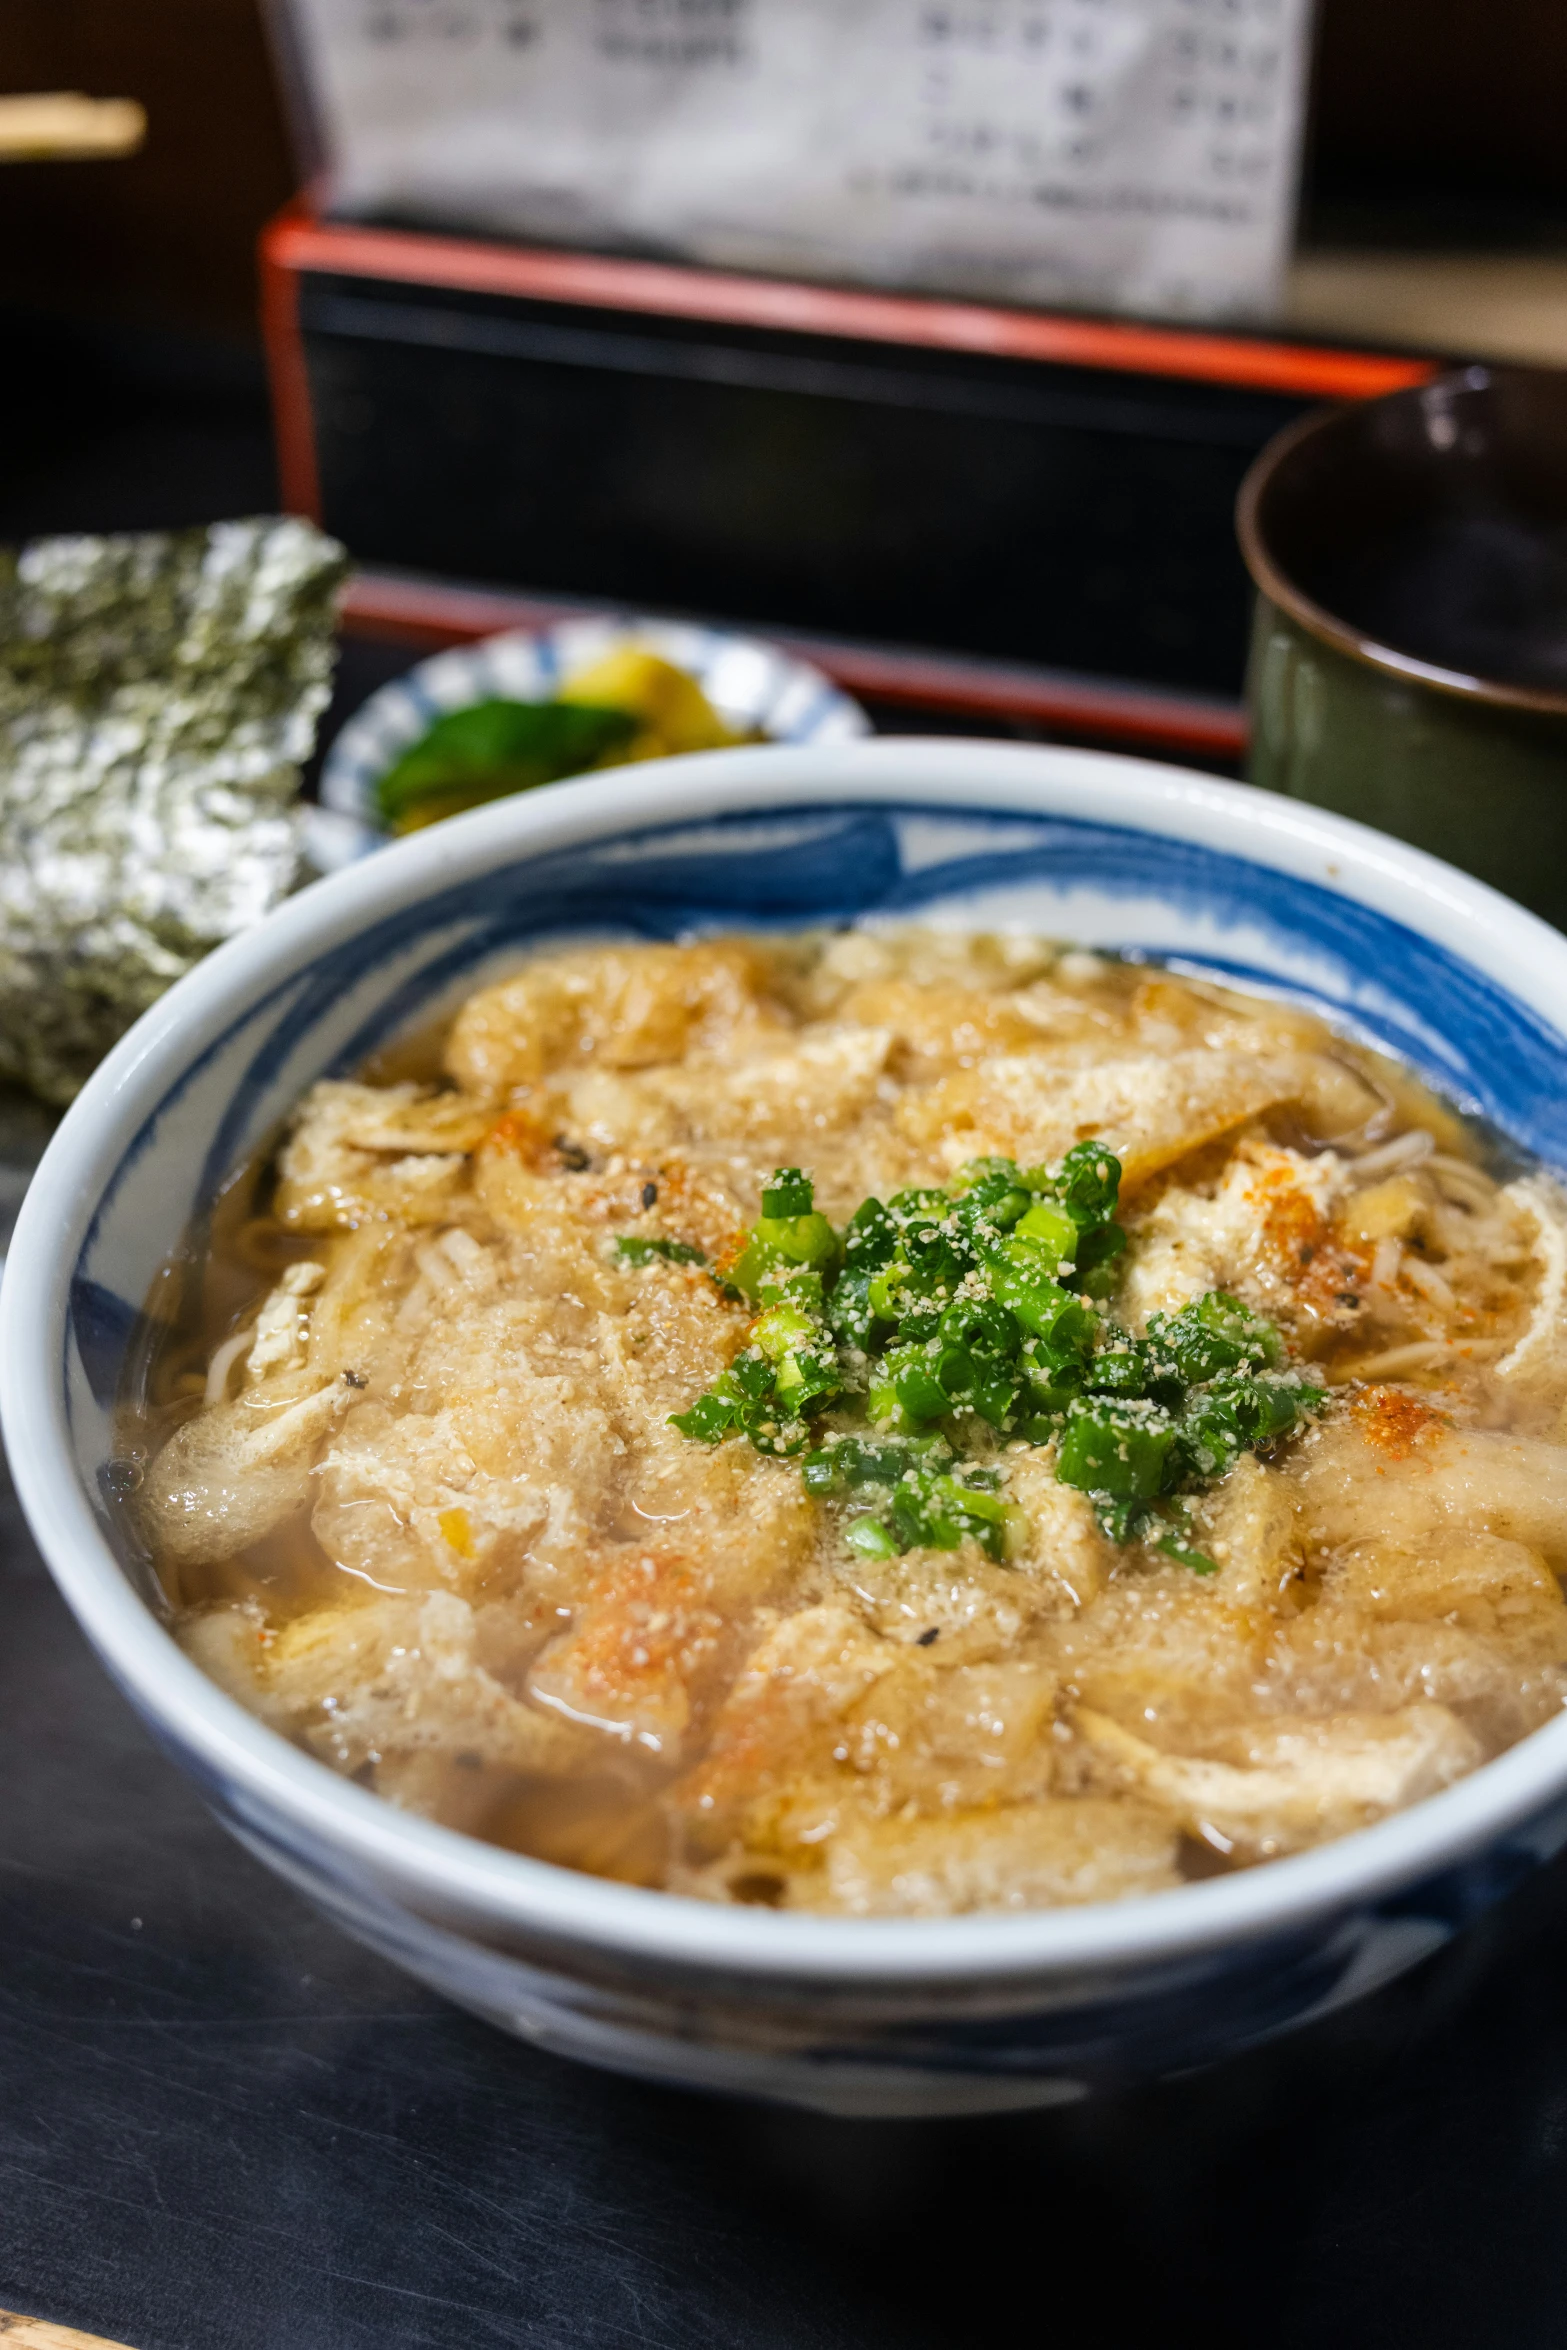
<point>1067,877</point>
<point>1485,1050</point>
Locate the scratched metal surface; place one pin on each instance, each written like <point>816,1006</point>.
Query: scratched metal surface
<point>223,2127</point>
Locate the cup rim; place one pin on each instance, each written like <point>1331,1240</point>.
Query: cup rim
<point>1358,645</point>
<point>284,1792</point>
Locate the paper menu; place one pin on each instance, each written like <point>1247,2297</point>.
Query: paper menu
<point>1136,155</point>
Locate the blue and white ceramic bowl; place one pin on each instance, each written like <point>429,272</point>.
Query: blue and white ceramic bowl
<point>754,687</point>
<point>857,2016</point>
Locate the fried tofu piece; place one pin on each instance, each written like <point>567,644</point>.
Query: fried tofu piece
<point>933,1739</point>
<point>1064,1553</point>
<point>551,1255</point>
<point>1361,1478</point>
<point>958,1603</point>
<point>1042,1855</point>
<point>362,1153</point>
<point>230,1645</point>
<point>937,1029</point>
<point>647,1648</point>
<point>1392,1210</point>
<point>1253,1535</point>
<point>1148,1111</point>
<point>789,1099</point>
<point>1486,1584</point>
<point>1279,1785</point>
<point>1170,1656</point>
<point>934,962</point>
<point>1469,1620</point>
<point>487,1485</point>
<point>363,1683</point>
<point>828,1724</point>
<point>1171,1709</point>
<point>1166,1622</point>
<point>1539,1359</point>
<point>237,1471</point>
<point>783,1717</point>
<point>1263,1232</point>
<point>674,1338</point>
<point>629,1007</point>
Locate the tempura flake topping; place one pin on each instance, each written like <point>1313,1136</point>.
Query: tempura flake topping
<point>887,1424</point>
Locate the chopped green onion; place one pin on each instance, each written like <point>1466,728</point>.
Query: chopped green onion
<point>906,1205</point>
<point>1117,1370</point>
<point>789,1194</point>
<point>1175,1546</point>
<point>983,1326</point>
<point>710,1419</point>
<point>850,1315</point>
<point>942,1315</point>
<point>782,1329</point>
<point>1238,1415</point>
<point>1053,1228</point>
<point>870,1238</point>
<point>1090,1184</point>
<point>1022,1278</point>
<point>994,1198</point>
<point>1097,1256</point>
<point>1117,1449</point>
<point>636,1248</point>
<point>1215,1334</point>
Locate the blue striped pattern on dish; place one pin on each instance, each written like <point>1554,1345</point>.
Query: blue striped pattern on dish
<point>752,685</point>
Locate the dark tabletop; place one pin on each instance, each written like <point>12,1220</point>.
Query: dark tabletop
<point>225,2127</point>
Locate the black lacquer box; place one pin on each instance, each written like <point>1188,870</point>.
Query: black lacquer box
<point>973,509</point>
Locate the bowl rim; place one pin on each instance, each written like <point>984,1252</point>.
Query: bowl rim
<point>442,1873</point>
<point>1358,645</point>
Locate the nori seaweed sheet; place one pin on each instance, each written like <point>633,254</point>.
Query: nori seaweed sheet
<point>158,695</point>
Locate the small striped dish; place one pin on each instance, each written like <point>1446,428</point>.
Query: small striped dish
<point>754,687</point>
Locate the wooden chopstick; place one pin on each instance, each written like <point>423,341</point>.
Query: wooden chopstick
<point>32,2333</point>
<point>63,125</point>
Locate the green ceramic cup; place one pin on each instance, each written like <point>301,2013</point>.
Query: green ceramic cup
<point>1409,652</point>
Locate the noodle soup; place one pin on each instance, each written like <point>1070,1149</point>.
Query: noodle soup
<point>881,1424</point>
